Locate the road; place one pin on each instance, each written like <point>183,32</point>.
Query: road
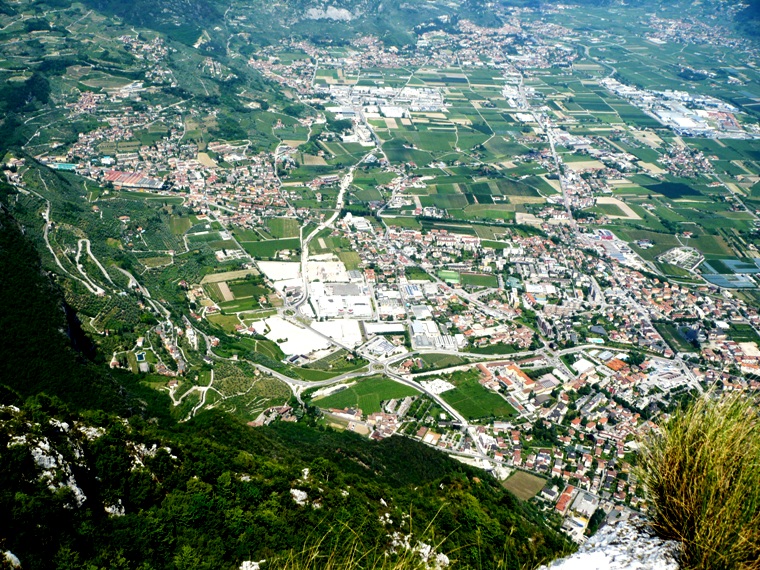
<point>95,260</point>
<point>46,237</point>
<point>345,184</point>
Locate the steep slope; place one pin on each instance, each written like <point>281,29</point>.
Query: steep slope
<point>749,18</point>
<point>213,493</point>
<point>44,348</point>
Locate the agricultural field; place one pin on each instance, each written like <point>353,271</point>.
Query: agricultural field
<point>283,227</point>
<point>366,394</point>
<point>339,361</point>
<point>524,485</point>
<point>243,391</point>
<point>270,249</point>
<point>671,332</point>
<point>479,280</point>
<point>434,361</point>
<point>350,259</point>
<point>743,333</point>
<point>474,401</point>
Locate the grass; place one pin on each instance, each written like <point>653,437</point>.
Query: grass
<point>474,401</point>
<point>367,395</point>
<point>743,333</point>
<point>345,549</point>
<point>179,225</point>
<point>611,210</point>
<point>227,322</point>
<point>270,248</point>
<point>350,259</point>
<point>283,227</point>
<point>437,361</point>
<point>524,485</point>
<point>313,375</point>
<point>701,474</point>
<point>479,280</point>
<point>672,336</point>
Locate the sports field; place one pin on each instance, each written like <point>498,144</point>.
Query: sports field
<point>367,395</point>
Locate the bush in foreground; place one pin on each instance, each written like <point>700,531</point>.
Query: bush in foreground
<point>702,474</point>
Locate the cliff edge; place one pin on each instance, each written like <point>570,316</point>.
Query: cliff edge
<point>623,545</point>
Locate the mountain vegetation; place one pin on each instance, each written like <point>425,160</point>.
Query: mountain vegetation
<point>749,18</point>
<point>701,473</point>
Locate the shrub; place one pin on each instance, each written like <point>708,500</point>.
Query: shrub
<point>702,475</point>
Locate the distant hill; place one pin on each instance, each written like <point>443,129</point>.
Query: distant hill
<point>335,21</point>
<point>749,18</point>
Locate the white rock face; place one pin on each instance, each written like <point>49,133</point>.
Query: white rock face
<point>55,470</point>
<point>331,13</point>
<point>626,545</point>
<point>12,559</point>
<point>116,510</point>
<point>299,496</point>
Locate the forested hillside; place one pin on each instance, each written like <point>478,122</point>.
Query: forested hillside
<point>749,18</point>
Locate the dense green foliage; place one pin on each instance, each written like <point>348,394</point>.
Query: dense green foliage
<point>749,18</point>
<point>23,95</point>
<point>218,492</point>
<point>36,355</point>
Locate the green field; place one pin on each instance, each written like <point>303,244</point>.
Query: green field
<point>179,225</point>
<point>743,333</point>
<point>283,227</point>
<point>350,259</point>
<point>402,222</point>
<point>673,337</point>
<point>474,401</point>
<point>414,273</point>
<point>227,322</point>
<point>238,305</point>
<point>341,361</point>
<point>610,210</point>
<point>367,395</point>
<point>524,485</point>
<point>270,248</point>
<point>479,280</point>
<point>437,361</point>
<point>244,289</point>
<point>448,276</point>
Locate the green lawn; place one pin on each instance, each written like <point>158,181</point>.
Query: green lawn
<point>524,485</point>
<point>414,273</point>
<point>269,248</point>
<point>283,227</point>
<point>179,225</point>
<point>314,375</point>
<point>669,332</point>
<point>350,259</point>
<point>367,395</point>
<point>743,333</point>
<point>479,280</point>
<point>473,401</point>
<point>402,222</point>
<point>610,210</point>
<point>435,361</point>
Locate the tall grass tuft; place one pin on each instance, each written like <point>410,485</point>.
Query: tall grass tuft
<point>344,549</point>
<point>702,475</point>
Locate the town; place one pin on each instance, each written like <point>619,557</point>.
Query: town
<point>495,241</point>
